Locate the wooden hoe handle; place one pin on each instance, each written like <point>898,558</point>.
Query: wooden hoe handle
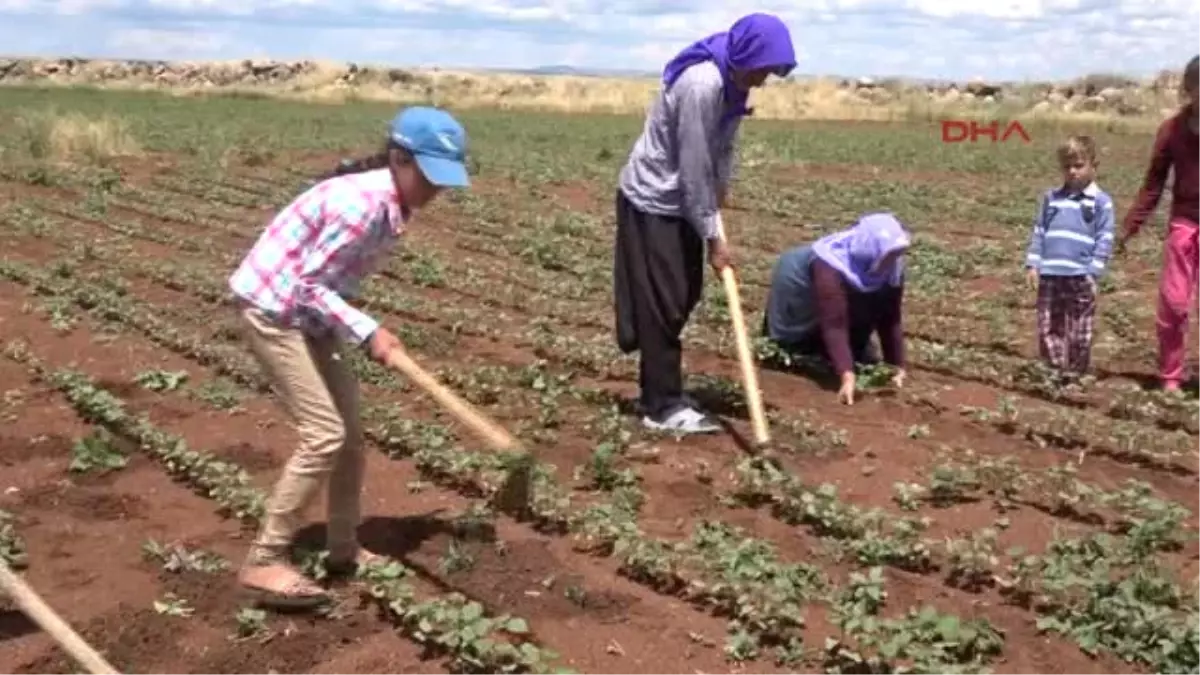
<point>749,373</point>
<point>42,615</point>
<point>495,436</point>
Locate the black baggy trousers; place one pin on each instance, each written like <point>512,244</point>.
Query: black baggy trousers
<point>658,278</point>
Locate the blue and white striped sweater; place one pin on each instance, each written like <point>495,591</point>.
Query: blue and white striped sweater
<point>1072,233</point>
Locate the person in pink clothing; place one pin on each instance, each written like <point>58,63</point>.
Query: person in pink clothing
<point>295,289</point>
<point>1175,147</point>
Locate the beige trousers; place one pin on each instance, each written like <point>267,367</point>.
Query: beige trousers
<point>319,392</point>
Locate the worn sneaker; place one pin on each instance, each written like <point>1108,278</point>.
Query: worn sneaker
<point>684,420</point>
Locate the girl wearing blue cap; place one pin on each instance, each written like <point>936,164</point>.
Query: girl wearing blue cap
<point>294,287</point>
<point>668,201</point>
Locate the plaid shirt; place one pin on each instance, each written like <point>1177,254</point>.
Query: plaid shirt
<point>315,253</point>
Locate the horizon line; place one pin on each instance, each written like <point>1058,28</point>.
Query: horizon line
<point>581,71</point>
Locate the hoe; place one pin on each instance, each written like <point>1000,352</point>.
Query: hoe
<point>513,497</point>
<point>35,608</point>
<point>758,418</point>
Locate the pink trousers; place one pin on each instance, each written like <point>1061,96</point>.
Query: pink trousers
<point>1176,294</point>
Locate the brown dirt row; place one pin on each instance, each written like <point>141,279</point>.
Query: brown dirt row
<point>778,388</point>
<point>876,493</point>
<point>912,589</point>
<point>875,428</point>
<point>410,525</point>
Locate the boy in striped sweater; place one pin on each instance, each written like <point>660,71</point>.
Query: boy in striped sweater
<point>1070,246</point>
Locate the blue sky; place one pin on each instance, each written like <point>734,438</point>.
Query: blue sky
<point>953,39</point>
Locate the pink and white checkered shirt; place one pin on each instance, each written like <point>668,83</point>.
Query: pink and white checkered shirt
<point>316,252</point>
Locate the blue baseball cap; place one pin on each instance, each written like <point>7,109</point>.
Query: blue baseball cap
<point>436,141</point>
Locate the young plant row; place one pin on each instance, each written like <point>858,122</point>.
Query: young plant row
<point>596,357</point>
<point>208,285</point>
<point>430,445</point>
<point>207,288</point>
<point>1167,412</point>
<point>483,386</point>
<point>1066,429</point>
<point>757,621</point>
<point>452,625</point>
<point>250,622</point>
<point>719,569</point>
<point>421,268</point>
<point>377,296</point>
<point>1164,410</point>
<point>1147,521</point>
<point>1077,595</point>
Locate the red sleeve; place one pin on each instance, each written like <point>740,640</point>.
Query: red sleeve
<point>890,325</point>
<point>833,315</point>
<point>1155,179</point>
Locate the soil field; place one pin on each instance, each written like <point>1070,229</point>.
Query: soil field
<point>979,519</point>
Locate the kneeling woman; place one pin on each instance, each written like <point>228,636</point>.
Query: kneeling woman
<point>827,298</point>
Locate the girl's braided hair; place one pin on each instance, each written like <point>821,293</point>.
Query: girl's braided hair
<point>377,160</point>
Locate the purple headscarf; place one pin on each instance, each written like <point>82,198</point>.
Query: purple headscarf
<point>855,252</point>
<point>754,41</point>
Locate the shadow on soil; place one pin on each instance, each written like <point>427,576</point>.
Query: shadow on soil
<point>396,537</point>
<point>521,576</point>
<point>713,402</point>
<point>1149,381</point>
<point>14,624</point>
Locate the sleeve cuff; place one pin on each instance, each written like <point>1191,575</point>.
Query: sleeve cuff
<point>710,226</point>
<point>359,329</point>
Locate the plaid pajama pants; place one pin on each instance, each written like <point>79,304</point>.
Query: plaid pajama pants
<point>1066,311</point>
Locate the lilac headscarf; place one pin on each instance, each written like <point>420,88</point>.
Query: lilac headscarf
<point>754,41</point>
<point>855,252</point>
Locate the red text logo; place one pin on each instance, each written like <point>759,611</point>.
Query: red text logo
<point>957,131</point>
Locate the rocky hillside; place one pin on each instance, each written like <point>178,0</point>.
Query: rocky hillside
<point>1103,95</point>
<point>1115,95</point>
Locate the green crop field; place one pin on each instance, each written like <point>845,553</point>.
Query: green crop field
<point>979,519</point>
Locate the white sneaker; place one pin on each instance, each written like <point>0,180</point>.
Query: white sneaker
<point>685,420</point>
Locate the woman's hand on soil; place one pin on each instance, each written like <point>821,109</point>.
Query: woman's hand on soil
<point>898,378</point>
<point>382,342</point>
<point>846,393</point>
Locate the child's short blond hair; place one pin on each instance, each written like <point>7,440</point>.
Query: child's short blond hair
<point>1077,148</point>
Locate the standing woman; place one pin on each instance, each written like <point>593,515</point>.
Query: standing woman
<point>668,204</point>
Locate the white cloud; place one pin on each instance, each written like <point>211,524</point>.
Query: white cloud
<point>80,7</point>
<point>147,43</point>
<point>1011,39</point>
